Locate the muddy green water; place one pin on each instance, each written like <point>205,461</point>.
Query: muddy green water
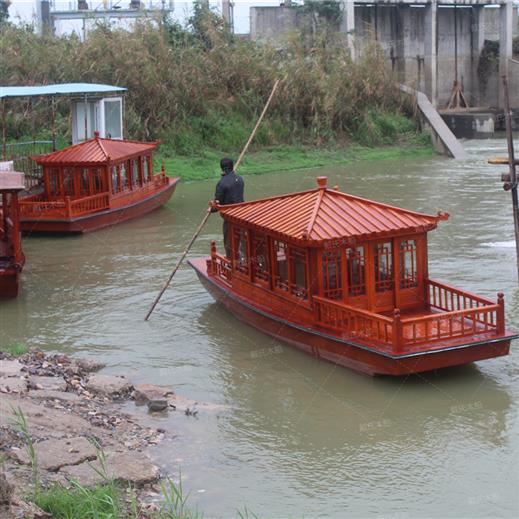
<point>301,438</point>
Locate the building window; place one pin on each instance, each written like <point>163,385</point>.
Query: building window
<point>68,182</point>
<point>281,274</point>
<point>356,271</point>
<point>298,286</point>
<point>383,266</point>
<point>408,270</point>
<point>240,249</point>
<point>332,280</point>
<point>259,259</point>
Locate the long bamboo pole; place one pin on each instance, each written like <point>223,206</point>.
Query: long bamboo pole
<point>208,213</point>
<point>513,173</point>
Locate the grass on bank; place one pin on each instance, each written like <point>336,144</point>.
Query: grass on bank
<point>105,500</point>
<point>16,349</point>
<point>282,158</point>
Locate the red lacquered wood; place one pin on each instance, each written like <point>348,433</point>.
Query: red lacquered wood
<point>357,299</point>
<point>95,184</point>
<point>12,258</point>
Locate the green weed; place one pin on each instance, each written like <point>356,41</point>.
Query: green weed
<point>16,349</point>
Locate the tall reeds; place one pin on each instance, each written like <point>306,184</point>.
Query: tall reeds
<point>201,86</point>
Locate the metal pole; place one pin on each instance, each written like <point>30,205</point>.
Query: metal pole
<point>511,162</point>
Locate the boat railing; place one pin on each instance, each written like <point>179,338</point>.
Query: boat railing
<point>450,325</point>
<point>30,207</point>
<point>484,317</point>
<point>88,204</point>
<point>353,322</point>
<point>220,267</point>
<point>160,179</point>
<point>448,299</point>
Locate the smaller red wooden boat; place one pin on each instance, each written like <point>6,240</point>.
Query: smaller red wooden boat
<point>346,280</point>
<point>11,255</point>
<point>97,183</point>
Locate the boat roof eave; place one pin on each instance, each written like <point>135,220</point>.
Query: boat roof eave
<point>325,242</point>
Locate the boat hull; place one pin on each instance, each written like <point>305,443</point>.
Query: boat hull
<point>9,282</point>
<point>98,220</point>
<point>343,352</point>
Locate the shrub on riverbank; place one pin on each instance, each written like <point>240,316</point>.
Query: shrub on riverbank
<point>200,87</point>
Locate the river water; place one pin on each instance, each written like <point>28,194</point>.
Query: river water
<point>298,437</point>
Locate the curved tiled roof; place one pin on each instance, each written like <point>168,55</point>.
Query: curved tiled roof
<point>324,214</point>
<point>96,151</point>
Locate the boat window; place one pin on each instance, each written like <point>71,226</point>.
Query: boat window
<point>68,184</point>
<point>124,177</point>
<point>98,180</point>
<point>383,266</point>
<point>135,172</point>
<point>259,260</point>
<point>298,286</point>
<point>53,182</point>
<point>115,179</point>
<point>146,174</point>
<point>281,254</point>
<point>83,183</point>
<point>332,281</point>
<point>356,271</point>
<point>240,248</point>
<point>408,270</point>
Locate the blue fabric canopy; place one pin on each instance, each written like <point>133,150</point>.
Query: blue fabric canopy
<point>62,89</point>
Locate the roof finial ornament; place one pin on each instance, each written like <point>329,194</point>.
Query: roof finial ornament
<point>96,135</point>
<point>322,182</point>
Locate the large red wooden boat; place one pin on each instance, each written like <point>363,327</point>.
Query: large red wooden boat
<point>346,279</point>
<point>11,255</point>
<point>94,184</point>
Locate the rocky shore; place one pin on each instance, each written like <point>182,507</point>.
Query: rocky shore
<point>75,419</point>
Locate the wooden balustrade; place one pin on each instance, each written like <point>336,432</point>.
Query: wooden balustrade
<point>30,208</point>
<point>89,204</point>
<point>449,325</point>
<point>352,321</point>
<point>481,316</point>
<point>221,267</point>
<point>450,299</point>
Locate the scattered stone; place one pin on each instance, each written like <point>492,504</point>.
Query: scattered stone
<point>47,383</point>
<point>54,454</point>
<point>88,365</point>
<point>42,394</point>
<point>155,406</point>
<point>21,509</point>
<point>125,467</point>
<point>108,385</point>
<point>6,490</point>
<point>147,392</point>
<point>13,385</point>
<point>10,368</point>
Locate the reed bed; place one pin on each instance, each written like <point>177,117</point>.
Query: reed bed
<point>198,86</point>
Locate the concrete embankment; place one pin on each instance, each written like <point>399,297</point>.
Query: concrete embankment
<point>444,141</point>
<point>67,405</point>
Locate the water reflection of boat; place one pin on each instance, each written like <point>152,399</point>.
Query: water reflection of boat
<point>346,280</point>
<point>286,396</point>
<point>95,184</point>
<point>11,255</point>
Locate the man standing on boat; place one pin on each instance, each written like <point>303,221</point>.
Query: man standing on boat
<point>229,190</point>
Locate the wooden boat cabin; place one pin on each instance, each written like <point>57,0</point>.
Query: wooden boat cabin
<point>11,255</point>
<point>94,184</point>
<point>346,279</point>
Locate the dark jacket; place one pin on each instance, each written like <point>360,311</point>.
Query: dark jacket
<point>229,189</point>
